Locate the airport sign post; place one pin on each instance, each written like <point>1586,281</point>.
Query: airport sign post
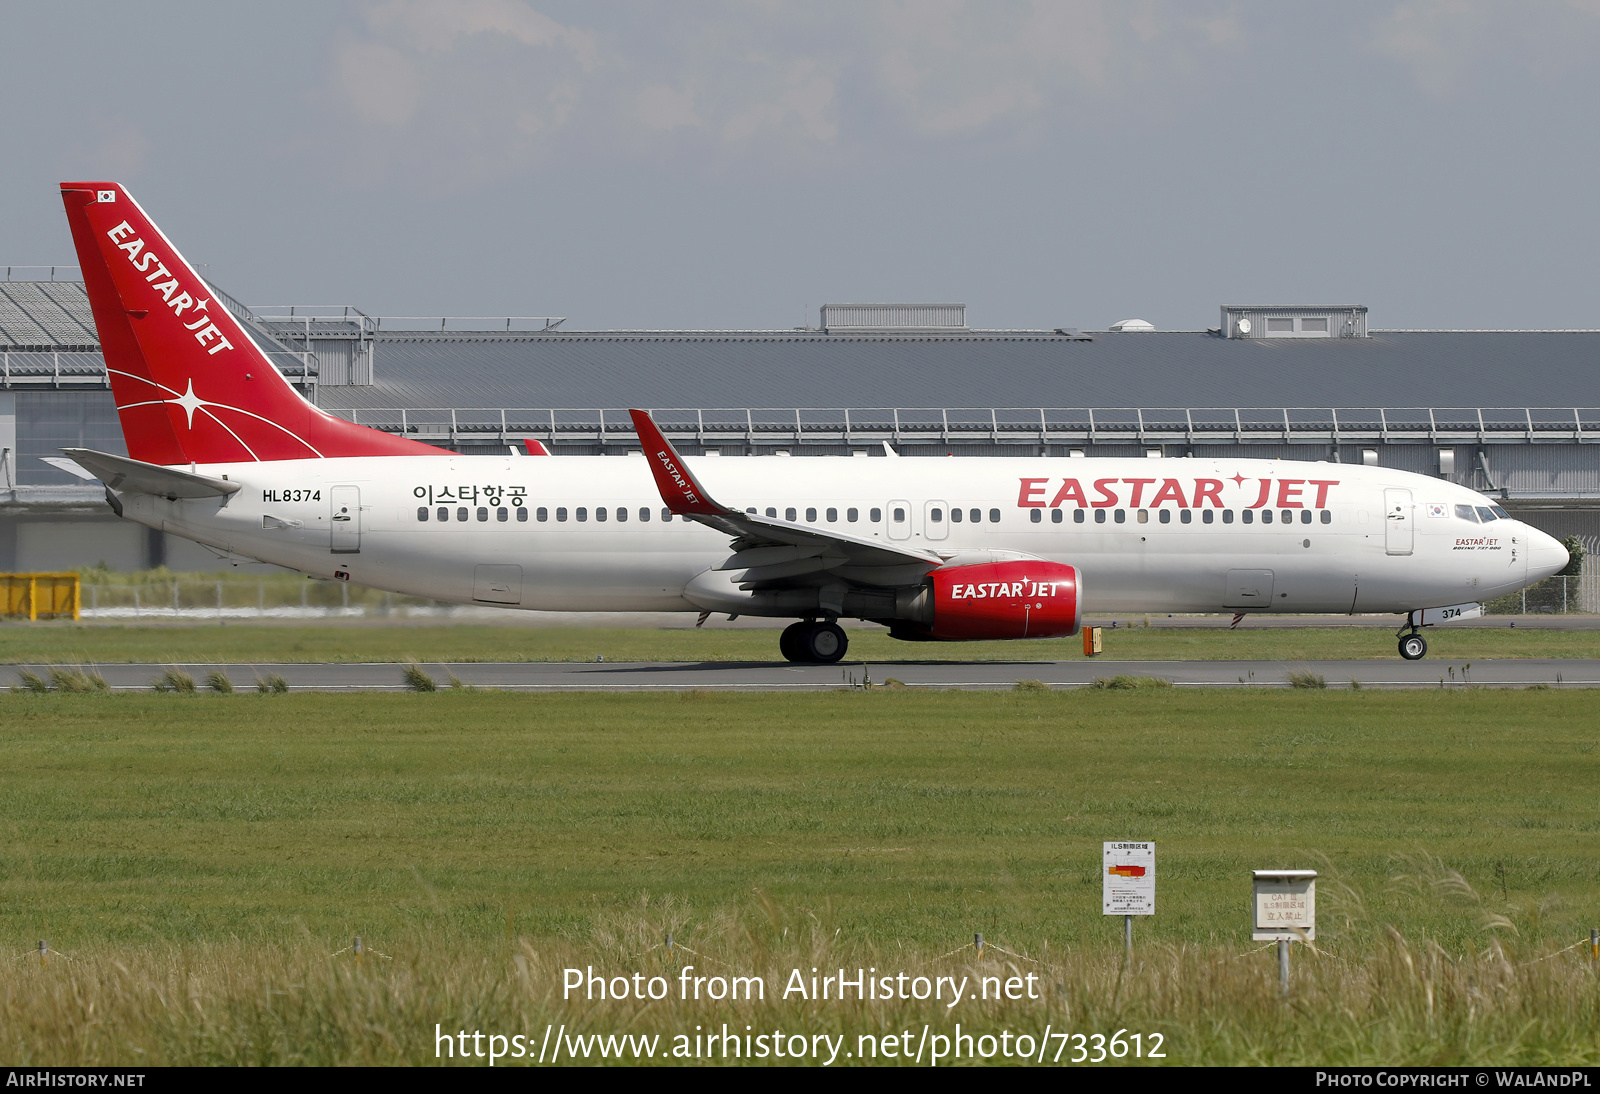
<point>1128,884</point>
<point>1285,907</point>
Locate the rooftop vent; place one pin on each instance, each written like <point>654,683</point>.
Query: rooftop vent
<point>1131,325</point>
<point>1294,321</point>
<point>845,318</point>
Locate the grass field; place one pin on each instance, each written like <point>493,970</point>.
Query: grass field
<point>198,858</point>
<point>356,642</point>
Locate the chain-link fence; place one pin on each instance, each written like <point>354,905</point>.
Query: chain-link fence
<point>198,598</point>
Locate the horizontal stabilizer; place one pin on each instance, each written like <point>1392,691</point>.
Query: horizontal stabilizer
<point>138,477</point>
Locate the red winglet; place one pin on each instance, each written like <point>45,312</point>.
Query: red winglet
<point>535,448</point>
<point>680,490</point>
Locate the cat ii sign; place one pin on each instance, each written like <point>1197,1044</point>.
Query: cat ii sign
<point>1128,878</point>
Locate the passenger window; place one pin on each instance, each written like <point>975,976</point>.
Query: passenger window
<point>1035,516</point>
<point>1227,516</point>
<point>1186,516</point>
<point>1305,516</point>
<point>1207,516</point>
<point>1246,515</point>
<point>833,516</point>
<point>1327,516</point>
<point>937,516</point>
<point>955,516</point>
<point>994,516</point>
<point>599,514</point>
<point>582,513</point>
<point>976,515</point>
<point>851,515</point>
<point>899,516</point>
<point>1055,516</point>
<point>561,513</point>
<point>1166,516</point>
<point>461,513</point>
<point>1287,516</point>
<point>1099,516</point>
<point>444,514</point>
<point>522,514</point>
<point>771,512</point>
<point>875,515</point>
<point>1077,516</point>
<point>790,514</point>
<point>811,516</point>
<point>1485,515</point>
<point>1266,516</point>
<point>666,516</point>
<point>502,515</point>
<point>622,514</point>
<point>483,513</point>
<point>542,514</point>
<point>644,514</point>
<point>1122,516</point>
<point>422,514</point>
<point>1144,516</point>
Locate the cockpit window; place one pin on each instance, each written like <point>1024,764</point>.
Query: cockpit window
<point>1466,512</point>
<point>1499,512</point>
<point>1485,514</point>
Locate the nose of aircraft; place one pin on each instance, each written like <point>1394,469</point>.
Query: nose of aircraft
<point>1546,555</point>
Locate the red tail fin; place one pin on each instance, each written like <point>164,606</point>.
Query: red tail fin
<point>191,385</point>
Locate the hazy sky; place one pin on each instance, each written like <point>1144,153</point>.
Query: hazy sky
<point>737,164</point>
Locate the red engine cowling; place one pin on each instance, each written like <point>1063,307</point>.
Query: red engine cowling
<point>1023,599</point>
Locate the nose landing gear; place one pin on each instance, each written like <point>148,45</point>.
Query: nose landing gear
<point>811,642</point>
<point>1413,647</point>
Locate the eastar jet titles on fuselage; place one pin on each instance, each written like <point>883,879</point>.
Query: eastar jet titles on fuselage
<point>224,452</point>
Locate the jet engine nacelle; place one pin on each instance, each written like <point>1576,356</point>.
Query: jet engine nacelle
<point>1026,598</point>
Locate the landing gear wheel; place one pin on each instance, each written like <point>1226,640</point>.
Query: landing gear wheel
<point>790,642</point>
<point>824,643</point>
<point>1413,647</point>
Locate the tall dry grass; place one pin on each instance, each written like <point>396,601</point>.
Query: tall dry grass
<point>1391,1000</point>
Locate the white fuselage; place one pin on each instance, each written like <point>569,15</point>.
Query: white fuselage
<point>1147,535</point>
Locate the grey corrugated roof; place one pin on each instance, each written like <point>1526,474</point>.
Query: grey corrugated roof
<point>985,369</point>
<point>45,313</point>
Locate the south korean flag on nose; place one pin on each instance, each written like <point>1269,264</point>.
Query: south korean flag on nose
<point>1436,509</point>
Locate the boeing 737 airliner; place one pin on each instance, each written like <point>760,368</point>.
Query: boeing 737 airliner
<point>222,450</point>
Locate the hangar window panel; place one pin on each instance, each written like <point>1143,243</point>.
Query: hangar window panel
<point>1035,516</point>
<point>1280,326</point>
<point>422,514</point>
<point>1314,326</point>
<point>48,421</point>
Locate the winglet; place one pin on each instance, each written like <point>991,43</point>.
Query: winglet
<point>680,490</point>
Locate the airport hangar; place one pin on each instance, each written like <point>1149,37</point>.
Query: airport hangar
<point>1502,411</point>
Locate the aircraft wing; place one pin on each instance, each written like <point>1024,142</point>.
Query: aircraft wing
<point>776,552</point>
<point>122,473</point>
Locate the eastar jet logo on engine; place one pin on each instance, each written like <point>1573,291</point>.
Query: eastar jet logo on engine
<point>204,330</point>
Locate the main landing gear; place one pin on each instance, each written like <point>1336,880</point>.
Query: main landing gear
<point>809,641</point>
<point>1413,647</point>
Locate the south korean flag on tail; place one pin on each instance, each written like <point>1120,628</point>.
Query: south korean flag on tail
<point>105,195</point>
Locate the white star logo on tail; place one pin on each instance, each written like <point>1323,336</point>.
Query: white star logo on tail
<point>192,402</point>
